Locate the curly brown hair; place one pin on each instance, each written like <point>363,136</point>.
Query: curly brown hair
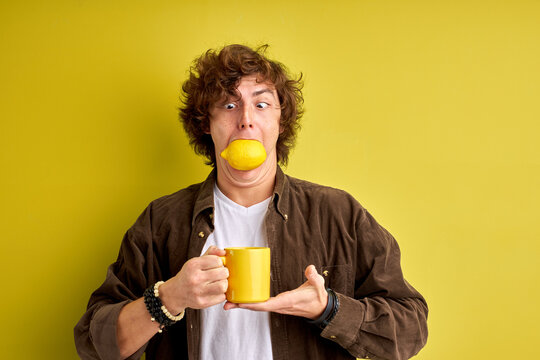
<point>215,75</point>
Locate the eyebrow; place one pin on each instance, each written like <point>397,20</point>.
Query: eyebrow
<point>262,91</point>
<point>255,93</point>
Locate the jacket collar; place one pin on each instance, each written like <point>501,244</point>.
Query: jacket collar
<point>205,196</point>
<point>281,192</point>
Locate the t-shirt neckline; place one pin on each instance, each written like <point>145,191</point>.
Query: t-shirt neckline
<point>251,210</point>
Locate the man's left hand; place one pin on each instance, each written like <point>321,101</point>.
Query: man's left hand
<point>309,300</point>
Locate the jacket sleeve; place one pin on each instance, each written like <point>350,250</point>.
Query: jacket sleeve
<point>95,333</point>
<point>387,318</point>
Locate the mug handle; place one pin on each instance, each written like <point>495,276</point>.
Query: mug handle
<point>223,260</point>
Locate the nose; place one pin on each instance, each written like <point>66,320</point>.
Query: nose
<point>246,120</point>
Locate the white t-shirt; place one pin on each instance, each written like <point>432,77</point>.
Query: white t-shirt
<point>237,333</point>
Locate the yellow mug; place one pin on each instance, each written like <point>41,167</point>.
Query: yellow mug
<point>249,274</point>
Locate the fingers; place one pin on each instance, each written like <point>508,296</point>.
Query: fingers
<point>217,287</point>
<point>200,283</point>
<point>205,295</point>
<point>215,274</point>
<point>207,262</point>
<point>255,307</point>
<point>229,305</point>
<point>272,304</point>
<point>209,301</point>
<point>196,278</point>
<point>213,250</point>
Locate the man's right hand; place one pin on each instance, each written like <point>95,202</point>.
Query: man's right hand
<point>201,283</point>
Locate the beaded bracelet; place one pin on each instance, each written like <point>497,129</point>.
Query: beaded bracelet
<point>157,310</point>
<point>163,308</point>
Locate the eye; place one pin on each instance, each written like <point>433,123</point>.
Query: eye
<point>230,106</point>
<point>262,105</point>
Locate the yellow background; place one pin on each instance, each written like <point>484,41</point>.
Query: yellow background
<point>426,111</point>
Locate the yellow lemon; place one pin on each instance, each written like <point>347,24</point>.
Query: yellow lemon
<point>244,154</point>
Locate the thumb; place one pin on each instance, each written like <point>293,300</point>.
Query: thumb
<point>313,276</point>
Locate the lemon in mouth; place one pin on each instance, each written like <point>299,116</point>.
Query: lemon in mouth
<point>244,154</point>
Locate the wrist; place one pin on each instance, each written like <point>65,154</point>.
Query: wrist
<point>324,300</point>
<point>159,312</point>
<point>169,299</point>
<point>329,312</point>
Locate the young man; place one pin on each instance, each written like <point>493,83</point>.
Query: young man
<point>337,287</point>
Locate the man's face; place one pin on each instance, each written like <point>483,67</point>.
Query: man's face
<point>255,116</point>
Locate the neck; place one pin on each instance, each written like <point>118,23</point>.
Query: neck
<point>248,194</point>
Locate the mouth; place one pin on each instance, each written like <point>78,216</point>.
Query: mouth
<point>243,138</point>
<point>244,154</point>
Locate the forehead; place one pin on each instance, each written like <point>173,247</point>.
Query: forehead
<point>248,86</point>
<point>252,82</point>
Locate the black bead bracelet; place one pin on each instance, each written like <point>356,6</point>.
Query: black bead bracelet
<point>153,305</point>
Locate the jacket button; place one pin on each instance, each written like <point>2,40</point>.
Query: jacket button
<point>325,272</point>
<point>286,217</point>
<point>201,234</point>
<point>332,337</point>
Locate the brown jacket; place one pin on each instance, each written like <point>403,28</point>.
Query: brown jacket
<point>380,315</point>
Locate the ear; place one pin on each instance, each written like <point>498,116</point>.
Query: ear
<point>206,128</point>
